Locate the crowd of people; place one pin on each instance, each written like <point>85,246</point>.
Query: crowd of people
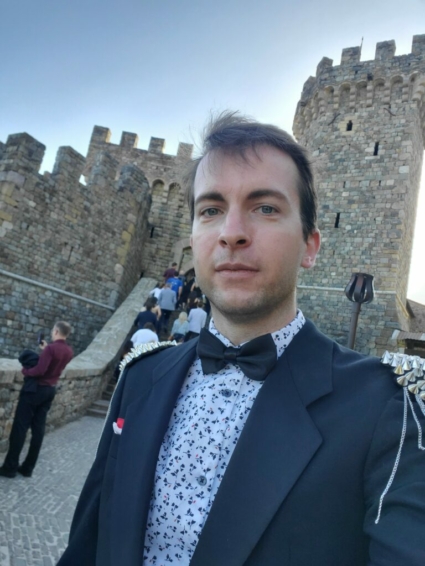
<point>177,292</point>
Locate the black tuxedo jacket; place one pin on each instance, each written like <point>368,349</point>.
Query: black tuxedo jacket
<point>303,484</point>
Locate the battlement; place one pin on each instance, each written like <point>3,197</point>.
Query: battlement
<point>102,136</point>
<point>22,151</point>
<point>388,81</point>
<point>69,164</point>
<point>385,52</point>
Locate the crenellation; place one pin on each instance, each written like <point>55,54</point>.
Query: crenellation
<point>350,55</point>
<point>129,140</point>
<point>100,135</point>
<point>156,145</point>
<point>418,45</point>
<point>69,163</point>
<point>323,66</point>
<point>385,50</point>
<point>22,150</point>
<point>184,151</point>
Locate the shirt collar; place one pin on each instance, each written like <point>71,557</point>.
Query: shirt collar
<point>282,338</point>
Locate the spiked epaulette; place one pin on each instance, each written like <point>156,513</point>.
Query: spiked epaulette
<point>143,350</point>
<point>409,374</point>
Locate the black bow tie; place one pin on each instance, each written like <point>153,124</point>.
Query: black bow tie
<point>255,358</point>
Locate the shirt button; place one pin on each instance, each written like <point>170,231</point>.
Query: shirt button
<point>202,480</point>
<point>226,392</point>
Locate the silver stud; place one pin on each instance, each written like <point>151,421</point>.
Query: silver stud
<point>399,370</point>
<point>386,358</point>
<point>403,381</point>
<point>415,389</point>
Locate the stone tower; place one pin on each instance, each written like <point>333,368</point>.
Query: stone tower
<point>364,125</point>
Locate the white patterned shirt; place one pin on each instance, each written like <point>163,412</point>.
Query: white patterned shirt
<point>205,426</point>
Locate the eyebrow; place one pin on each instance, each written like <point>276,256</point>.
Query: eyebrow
<point>216,196</point>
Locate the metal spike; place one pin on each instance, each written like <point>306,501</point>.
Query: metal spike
<point>403,381</point>
<point>411,376</point>
<point>407,365</point>
<point>422,395</point>
<point>415,389</point>
<point>421,383</point>
<point>395,361</point>
<point>418,372</point>
<point>416,364</point>
<point>386,358</point>
<point>399,370</point>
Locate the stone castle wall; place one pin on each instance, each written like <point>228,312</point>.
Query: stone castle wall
<point>82,243</point>
<point>169,221</point>
<point>364,124</point>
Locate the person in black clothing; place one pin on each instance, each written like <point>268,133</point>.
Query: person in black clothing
<point>147,315</point>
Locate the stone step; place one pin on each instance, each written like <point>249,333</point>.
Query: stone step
<point>101,404</point>
<point>96,413</point>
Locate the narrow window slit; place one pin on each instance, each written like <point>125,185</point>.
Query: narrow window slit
<point>375,151</point>
<point>337,220</point>
<point>349,125</point>
<point>152,231</point>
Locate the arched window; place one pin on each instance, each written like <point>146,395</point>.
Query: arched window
<point>361,95</point>
<point>173,192</point>
<point>396,90</point>
<point>378,91</point>
<point>344,97</point>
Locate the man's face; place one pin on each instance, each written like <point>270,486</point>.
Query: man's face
<point>247,236</point>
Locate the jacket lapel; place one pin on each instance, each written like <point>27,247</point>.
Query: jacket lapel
<point>146,421</point>
<point>277,443</point>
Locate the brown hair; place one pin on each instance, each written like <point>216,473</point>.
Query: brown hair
<point>63,328</point>
<point>150,303</point>
<point>233,133</point>
<point>150,326</point>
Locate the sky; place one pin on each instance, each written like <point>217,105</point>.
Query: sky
<point>158,68</point>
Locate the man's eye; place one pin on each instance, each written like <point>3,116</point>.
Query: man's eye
<point>265,209</point>
<point>210,212</point>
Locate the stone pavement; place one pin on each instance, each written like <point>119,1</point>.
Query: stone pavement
<point>36,512</point>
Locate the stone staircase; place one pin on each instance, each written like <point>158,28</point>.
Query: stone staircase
<point>100,407</point>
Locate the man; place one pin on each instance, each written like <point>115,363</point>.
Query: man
<point>170,272</point>
<point>167,304</point>
<point>35,400</point>
<point>176,285</point>
<point>196,319</point>
<point>262,443</point>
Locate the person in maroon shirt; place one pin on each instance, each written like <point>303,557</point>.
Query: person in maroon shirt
<point>35,400</point>
<point>170,272</point>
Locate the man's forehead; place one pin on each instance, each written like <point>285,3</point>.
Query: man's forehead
<point>218,165</point>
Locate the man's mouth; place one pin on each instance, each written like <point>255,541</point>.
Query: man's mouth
<point>235,268</point>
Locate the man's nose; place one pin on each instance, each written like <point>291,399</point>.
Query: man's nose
<point>235,230</point>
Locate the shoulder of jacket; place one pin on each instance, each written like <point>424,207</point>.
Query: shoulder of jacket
<point>408,372</point>
<point>143,350</point>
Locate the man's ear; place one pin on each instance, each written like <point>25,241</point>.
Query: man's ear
<point>311,250</point>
